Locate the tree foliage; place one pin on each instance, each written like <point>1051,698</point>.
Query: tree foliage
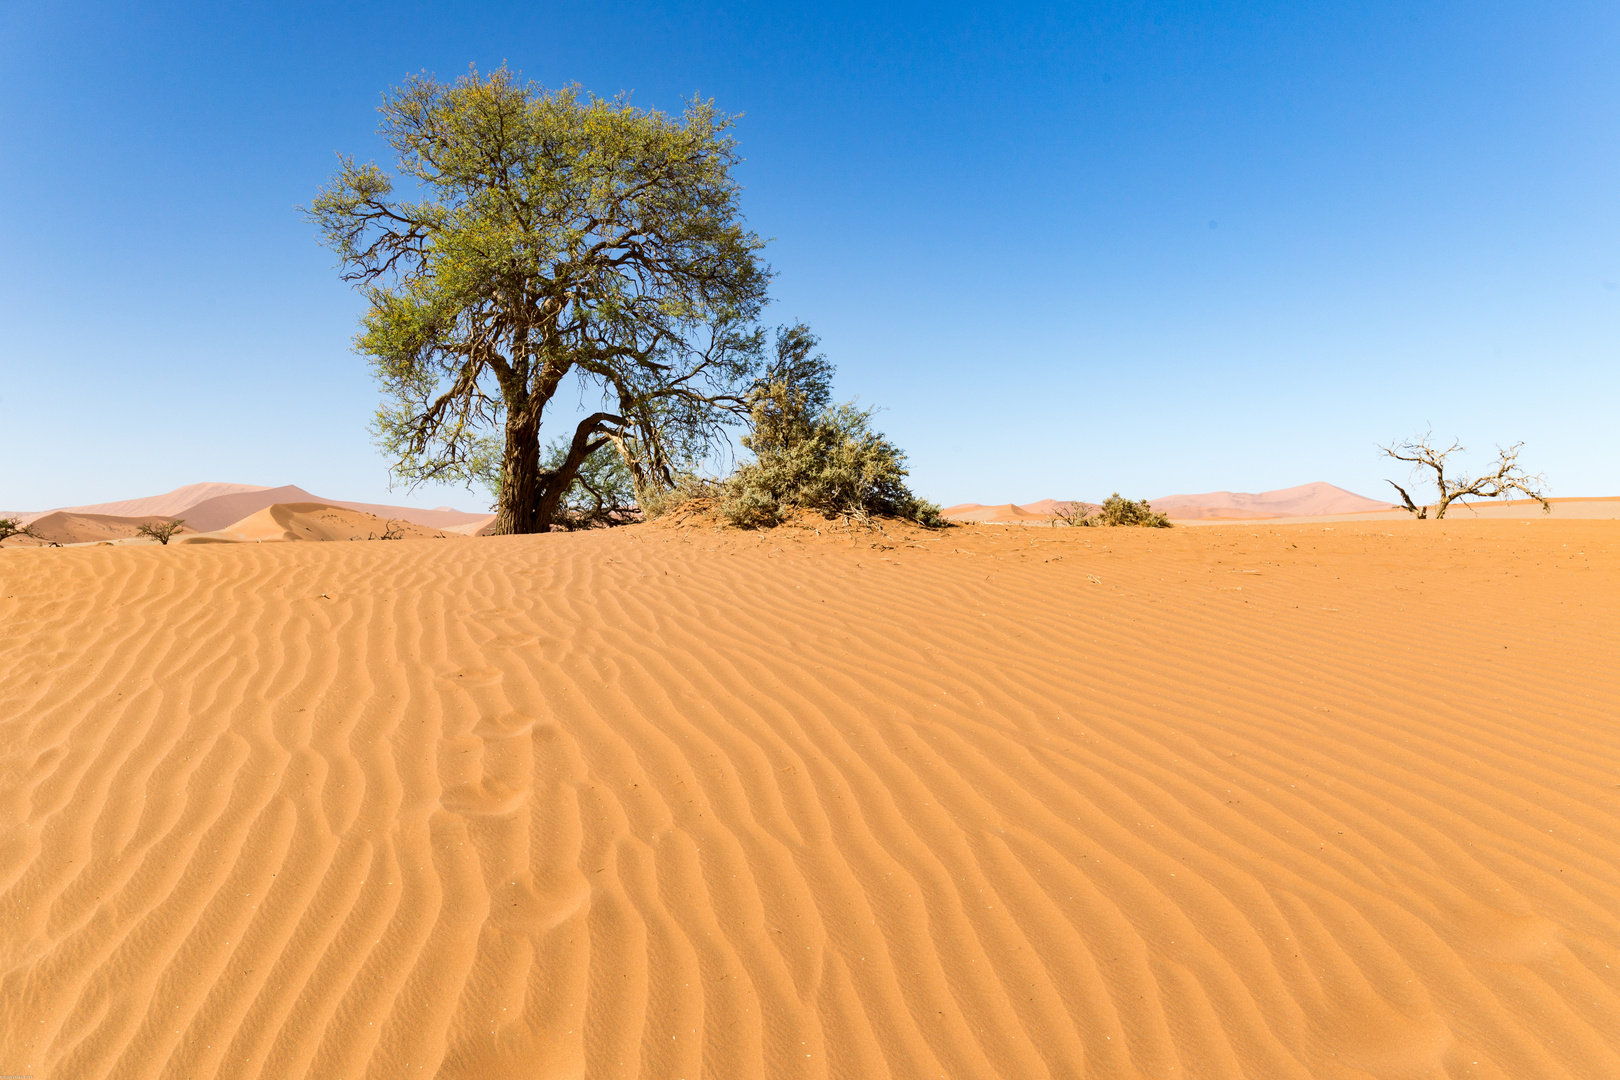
<point>161,531</point>
<point>1508,476</point>
<point>812,455</point>
<point>556,234</point>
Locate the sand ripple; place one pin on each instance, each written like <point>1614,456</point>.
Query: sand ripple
<point>1235,802</point>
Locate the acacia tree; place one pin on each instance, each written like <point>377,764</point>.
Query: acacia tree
<point>13,527</point>
<point>1508,477</point>
<point>557,234</point>
<point>161,530</point>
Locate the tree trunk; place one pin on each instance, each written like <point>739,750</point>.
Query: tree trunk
<point>550,492</point>
<point>520,480</point>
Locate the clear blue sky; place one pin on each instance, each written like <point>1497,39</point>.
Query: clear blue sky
<point>1070,249</point>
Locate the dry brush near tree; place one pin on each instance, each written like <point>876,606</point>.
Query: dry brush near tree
<point>810,454</point>
<point>806,455</point>
<point>1506,478</point>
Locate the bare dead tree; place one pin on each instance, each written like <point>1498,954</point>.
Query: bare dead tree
<point>1508,476</point>
<point>161,531</point>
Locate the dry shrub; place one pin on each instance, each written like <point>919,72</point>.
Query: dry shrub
<point>830,462</point>
<point>1114,510</point>
<point>161,531</point>
<point>809,456</point>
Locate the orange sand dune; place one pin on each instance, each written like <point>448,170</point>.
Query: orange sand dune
<point>1313,803</point>
<point>313,521</point>
<point>442,517</point>
<point>222,512</point>
<point>1006,512</point>
<point>62,527</point>
<point>169,505</point>
<point>227,510</point>
<point>1307,500</point>
<point>212,506</point>
<point>1046,508</point>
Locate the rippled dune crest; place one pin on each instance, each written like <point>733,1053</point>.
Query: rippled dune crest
<point>1286,802</point>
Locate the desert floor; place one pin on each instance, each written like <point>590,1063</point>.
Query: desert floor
<point>1239,801</point>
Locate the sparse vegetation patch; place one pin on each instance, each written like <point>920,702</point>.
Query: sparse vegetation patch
<point>1115,510</point>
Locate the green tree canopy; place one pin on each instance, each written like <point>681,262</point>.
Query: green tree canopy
<point>555,234</point>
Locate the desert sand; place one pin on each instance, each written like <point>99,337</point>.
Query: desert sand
<point>1325,801</point>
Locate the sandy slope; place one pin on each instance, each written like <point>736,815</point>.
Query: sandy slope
<point>225,511</point>
<point>170,504</point>
<point>442,517</point>
<point>62,527</point>
<point>313,521</point>
<point>1004,512</point>
<point>1306,500</point>
<point>211,506</point>
<point>1314,802</point>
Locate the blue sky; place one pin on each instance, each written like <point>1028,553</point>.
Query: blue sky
<point>1069,250</point>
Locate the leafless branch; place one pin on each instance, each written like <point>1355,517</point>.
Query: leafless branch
<point>1508,477</point>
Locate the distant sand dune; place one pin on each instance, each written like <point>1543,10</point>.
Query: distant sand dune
<point>168,505</point>
<point>1004,512</point>
<point>439,518</point>
<point>208,507</point>
<point>62,527</point>
<point>227,510</point>
<point>313,521</point>
<point>1307,500</point>
<point>1249,801</point>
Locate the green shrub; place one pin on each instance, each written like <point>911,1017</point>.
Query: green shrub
<point>1115,511</point>
<point>808,454</point>
<point>830,461</point>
